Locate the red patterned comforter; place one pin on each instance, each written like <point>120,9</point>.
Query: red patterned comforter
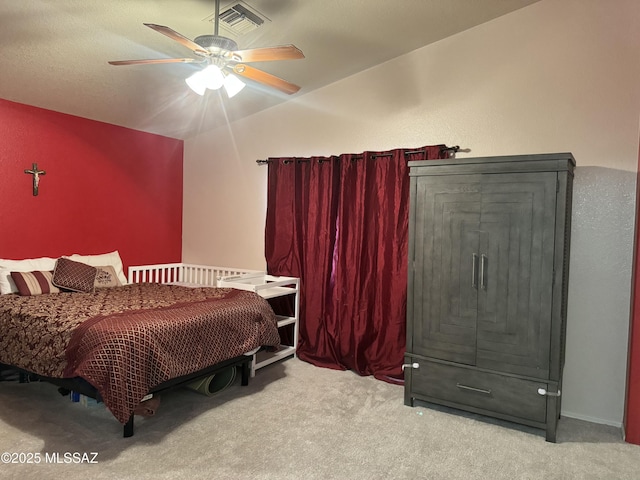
<point>127,340</point>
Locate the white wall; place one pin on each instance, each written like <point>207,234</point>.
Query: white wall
<point>559,75</point>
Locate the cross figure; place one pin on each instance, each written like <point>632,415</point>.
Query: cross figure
<point>36,176</point>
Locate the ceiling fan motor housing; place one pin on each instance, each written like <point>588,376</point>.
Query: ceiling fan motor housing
<point>216,43</point>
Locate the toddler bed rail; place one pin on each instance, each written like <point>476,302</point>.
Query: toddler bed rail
<point>183,274</point>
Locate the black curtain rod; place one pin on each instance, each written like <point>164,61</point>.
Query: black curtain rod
<point>412,152</point>
<point>297,160</point>
<point>286,162</point>
<point>443,149</point>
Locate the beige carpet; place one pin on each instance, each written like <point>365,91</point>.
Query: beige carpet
<point>297,421</point>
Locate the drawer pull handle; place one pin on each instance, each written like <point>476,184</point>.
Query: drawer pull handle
<point>410,365</point>
<point>473,389</point>
<point>542,391</point>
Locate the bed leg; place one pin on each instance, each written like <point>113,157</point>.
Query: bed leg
<point>246,371</point>
<point>128,428</point>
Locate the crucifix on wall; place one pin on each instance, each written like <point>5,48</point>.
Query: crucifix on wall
<point>36,176</point>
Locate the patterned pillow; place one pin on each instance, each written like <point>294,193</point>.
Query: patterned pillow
<point>107,277</point>
<point>74,276</point>
<point>34,283</point>
<point>7,284</point>
<point>112,258</point>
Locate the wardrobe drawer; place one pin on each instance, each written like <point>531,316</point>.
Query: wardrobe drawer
<point>481,390</point>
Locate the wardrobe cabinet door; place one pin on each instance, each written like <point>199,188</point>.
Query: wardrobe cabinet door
<point>517,227</point>
<point>446,213</point>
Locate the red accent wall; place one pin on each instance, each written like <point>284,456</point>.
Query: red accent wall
<point>632,406</point>
<point>106,188</point>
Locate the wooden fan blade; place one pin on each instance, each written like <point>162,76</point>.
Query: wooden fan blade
<point>265,78</point>
<point>267,54</point>
<point>172,34</point>
<point>157,60</point>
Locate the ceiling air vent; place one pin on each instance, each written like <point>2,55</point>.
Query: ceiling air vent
<point>238,18</point>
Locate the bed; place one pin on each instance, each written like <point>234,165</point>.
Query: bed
<point>123,341</point>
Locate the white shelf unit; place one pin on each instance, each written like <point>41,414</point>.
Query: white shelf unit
<point>269,286</point>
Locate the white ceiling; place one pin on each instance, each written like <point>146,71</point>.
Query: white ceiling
<point>54,53</point>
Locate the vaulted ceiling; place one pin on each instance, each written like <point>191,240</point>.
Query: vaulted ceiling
<point>54,53</point>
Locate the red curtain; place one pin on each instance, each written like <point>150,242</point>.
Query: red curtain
<point>340,224</point>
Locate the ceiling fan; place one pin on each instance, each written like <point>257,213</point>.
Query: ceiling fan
<point>223,59</point>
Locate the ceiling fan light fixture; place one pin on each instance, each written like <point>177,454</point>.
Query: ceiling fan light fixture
<point>211,77</point>
<point>233,85</point>
<point>196,82</point>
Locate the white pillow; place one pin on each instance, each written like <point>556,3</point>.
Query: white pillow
<point>7,284</point>
<point>103,260</point>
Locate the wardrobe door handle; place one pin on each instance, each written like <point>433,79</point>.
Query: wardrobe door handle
<point>474,273</point>
<point>483,259</point>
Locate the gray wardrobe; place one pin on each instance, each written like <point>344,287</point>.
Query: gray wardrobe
<point>488,273</point>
